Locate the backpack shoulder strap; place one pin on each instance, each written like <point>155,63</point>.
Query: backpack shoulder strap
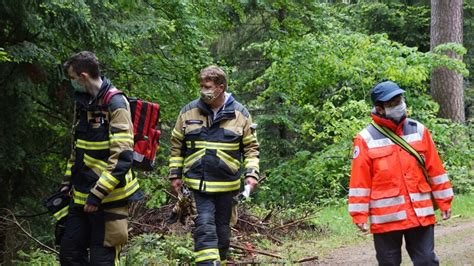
<point>109,94</point>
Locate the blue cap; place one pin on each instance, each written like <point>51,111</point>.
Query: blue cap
<point>385,91</point>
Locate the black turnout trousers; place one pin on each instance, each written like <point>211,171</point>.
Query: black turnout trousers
<point>419,243</point>
<point>86,231</point>
<point>212,222</point>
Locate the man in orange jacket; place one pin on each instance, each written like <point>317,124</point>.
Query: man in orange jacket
<point>388,185</point>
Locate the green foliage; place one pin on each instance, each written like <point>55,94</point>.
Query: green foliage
<point>152,249</point>
<point>36,257</point>
<point>304,69</point>
<point>154,188</point>
<point>468,38</point>
<point>407,24</point>
<point>3,56</point>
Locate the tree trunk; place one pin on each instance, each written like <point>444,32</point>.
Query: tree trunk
<point>447,85</point>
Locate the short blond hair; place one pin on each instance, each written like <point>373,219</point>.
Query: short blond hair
<point>213,73</point>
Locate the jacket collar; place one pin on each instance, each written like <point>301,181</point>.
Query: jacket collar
<point>381,121</point>
<point>206,110</point>
<point>226,112</point>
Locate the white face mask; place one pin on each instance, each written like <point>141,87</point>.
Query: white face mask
<point>397,112</point>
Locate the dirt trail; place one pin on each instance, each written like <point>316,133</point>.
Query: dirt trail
<point>454,245</point>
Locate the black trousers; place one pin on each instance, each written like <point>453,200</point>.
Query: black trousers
<point>419,243</point>
<point>86,231</point>
<point>212,223</point>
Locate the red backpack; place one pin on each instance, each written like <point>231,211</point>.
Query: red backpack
<point>145,119</point>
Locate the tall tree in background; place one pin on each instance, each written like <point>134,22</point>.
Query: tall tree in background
<point>447,85</point>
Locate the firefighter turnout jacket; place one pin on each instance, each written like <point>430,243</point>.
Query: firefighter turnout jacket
<point>207,150</point>
<point>99,168</point>
<point>387,186</point>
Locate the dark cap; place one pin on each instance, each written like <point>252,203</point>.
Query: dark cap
<point>385,91</point>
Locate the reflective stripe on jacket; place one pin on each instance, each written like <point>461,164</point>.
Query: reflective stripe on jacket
<point>387,185</point>
<point>102,155</point>
<point>208,151</point>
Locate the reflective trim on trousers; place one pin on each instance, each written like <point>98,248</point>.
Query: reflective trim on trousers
<point>118,248</point>
<point>387,202</point>
<point>207,254</point>
<point>380,219</point>
<point>359,192</point>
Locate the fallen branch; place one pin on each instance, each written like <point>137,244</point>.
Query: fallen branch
<point>170,194</point>
<point>253,224</point>
<point>255,262</point>
<point>308,259</point>
<point>256,251</point>
<point>294,222</point>
<point>15,222</point>
<point>148,225</point>
<point>274,239</point>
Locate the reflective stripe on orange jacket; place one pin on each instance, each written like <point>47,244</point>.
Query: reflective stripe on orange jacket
<point>387,185</point>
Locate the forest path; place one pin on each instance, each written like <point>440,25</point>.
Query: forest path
<point>454,245</point>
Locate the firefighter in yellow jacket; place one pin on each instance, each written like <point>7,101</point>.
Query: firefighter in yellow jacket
<point>98,172</point>
<point>213,135</point>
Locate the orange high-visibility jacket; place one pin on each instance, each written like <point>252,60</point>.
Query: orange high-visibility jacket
<point>388,186</point>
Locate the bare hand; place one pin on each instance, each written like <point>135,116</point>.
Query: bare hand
<point>252,182</point>
<point>90,208</point>
<point>446,214</point>
<point>363,227</point>
<point>176,184</point>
